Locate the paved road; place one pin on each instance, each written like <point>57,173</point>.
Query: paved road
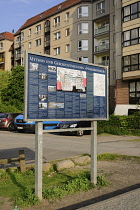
<point>59,146</point>
<point>126,201</point>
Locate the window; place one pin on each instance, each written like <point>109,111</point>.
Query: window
<point>114,19</point>
<point>57,51</point>
<point>83,11</point>
<point>38,29</point>
<point>37,42</point>
<point>67,16</point>
<point>1,45</point>
<point>134,92</point>
<point>57,21</point>
<point>57,35</point>
<point>83,28</point>
<point>82,45</point>
<point>22,48</point>
<point>114,2</point>
<point>67,31</point>
<point>30,45</point>
<point>18,39</point>
<point>100,7</point>
<point>67,48</point>
<point>131,12</point>
<point>83,59</point>
<point>22,36</point>
<point>30,31</point>
<point>131,62</point>
<point>114,37</point>
<point>131,37</point>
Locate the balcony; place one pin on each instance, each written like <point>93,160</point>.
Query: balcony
<point>47,29</point>
<point>104,63</point>
<point>47,43</point>
<point>2,60</point>
<point>102,48</point>
<point>102,30</point>
<point>18,56</point>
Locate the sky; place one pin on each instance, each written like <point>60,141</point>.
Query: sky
<point>14,13</point>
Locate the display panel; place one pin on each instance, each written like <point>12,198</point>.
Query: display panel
<point>61,89</point>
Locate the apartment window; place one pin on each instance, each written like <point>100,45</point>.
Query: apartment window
<point>38,29</point>
<point>67,16</point>
<point>30,32</point>
<point>67,31</point>
<point>57,35</point>
<point>82,45</point>
<point>114,19</point>
<point>83,59</point>
<point>114,2</point>
<point>114,37</point>
<point>83,28</point>
<point>1,45</point>
<point>30,45</point>
<point>37,42</point>
<point>83,11</point>
<point>22,48</point>
<point>131,62</point>
<point>57,21</point>
<point>57,51</point>
<point>18,39</point>
<point>131,12</point>
<point>100,7</point>
<point>22,36</point>
<point>134,92</point>
<point>67,48</point>
<point>131,37</point>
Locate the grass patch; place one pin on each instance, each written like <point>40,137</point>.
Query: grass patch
<point>135,140</point>
<point>20,186</point>
<point>113,157</point>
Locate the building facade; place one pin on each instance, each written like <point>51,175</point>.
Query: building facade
<point>6,51</point>
<point>105,32</point>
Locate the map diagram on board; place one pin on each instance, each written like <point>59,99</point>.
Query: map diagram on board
<point>71,80</point>
<point>98,84</point>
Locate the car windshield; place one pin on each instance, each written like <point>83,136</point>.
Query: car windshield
<point>3,115</point>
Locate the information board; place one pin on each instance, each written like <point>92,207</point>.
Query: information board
<point>60,89</point>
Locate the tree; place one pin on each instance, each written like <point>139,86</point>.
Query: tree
<point>13,93</point>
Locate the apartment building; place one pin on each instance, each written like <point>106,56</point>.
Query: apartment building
<point>95,31</point>
<point>128,80</point>
<point>6,51</point>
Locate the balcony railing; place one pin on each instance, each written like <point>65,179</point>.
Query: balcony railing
<point>102,47</point>
<point>47,43</point>
<point>18,56</point>
<point>104,63</point>
<point>47,28</point>
<point>2,60</point>
<point>102,30</point>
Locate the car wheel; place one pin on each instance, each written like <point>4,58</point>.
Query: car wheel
<point>11,127</point>
<point>21,131</point>
<point>80,133</point>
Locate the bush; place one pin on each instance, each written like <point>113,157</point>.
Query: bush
<point>120,125</point>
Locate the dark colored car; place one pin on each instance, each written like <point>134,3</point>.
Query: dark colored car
<point>7,120</point>
<point>74,124</point>
<point>29,126</point>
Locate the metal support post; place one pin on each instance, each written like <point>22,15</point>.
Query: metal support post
<point>38,159</point>
<point>93,169</point>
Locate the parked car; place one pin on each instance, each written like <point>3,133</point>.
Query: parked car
<point>7,120</point>
<point>74,124</point>
<point>23,126</point>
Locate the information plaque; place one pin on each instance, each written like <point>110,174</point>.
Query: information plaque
<point>61,89</point>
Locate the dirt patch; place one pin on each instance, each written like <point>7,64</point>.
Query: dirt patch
<point>123,176</point>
